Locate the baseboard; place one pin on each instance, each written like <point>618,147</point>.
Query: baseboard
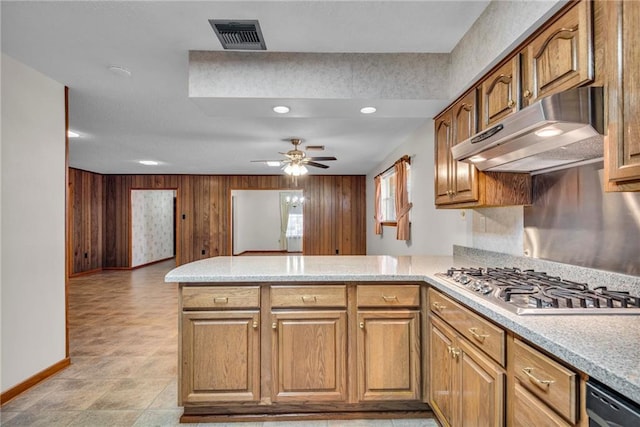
<point>84,273</point>
<point>33,380</point>
<point>152,262</point>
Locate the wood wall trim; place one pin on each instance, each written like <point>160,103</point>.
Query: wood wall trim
<point>33,380</point>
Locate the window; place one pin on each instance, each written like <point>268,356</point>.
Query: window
<point>388,195</point>
<point>294,225</point>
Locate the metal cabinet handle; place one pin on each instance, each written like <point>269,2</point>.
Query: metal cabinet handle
<point>220,300</point>
<point>309,298</point>
<point>527,93</point>
<point>255,324</point>
<point>438,306</point>
<point>274,325</point>
<point>511,103</point>
<point>476,335</point>
<point>543,384</point>
<point>361,325</point>
<point>389,298</point>
<point>453,352</point>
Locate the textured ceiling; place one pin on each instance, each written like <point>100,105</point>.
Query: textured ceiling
<point>150,115</point>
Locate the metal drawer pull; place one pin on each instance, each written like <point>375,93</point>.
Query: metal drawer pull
<point>307,298</point>
<point>454,352</point>
<point>543,384</point>
<point>389,298</point>
<point>438,306</point>
<point>220,300</point>
<point>476,335</point>
<point>361,325</point>
<point>255,324</point>
<point>274,325</point>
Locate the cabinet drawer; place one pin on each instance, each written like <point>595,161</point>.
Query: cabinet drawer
<point>528,411</point>
<point>546,379</point>
<point>200,297</point>
<point>308,296</point>
<point>484,334</point>
<point>388,295</point>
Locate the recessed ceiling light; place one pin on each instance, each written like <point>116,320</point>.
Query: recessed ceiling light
<point>273,164</point>
<point>281,109</point>
<point>72,134</point>
<point>149,162</point>
<point>368,110</point>
<point>121,71</point>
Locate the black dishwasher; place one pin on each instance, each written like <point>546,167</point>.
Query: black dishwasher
<point>607,408</point>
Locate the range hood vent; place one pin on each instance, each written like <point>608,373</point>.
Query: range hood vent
<point>238,34</point>
<point>556,132</point>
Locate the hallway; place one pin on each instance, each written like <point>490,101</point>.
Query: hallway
<point>123,331</point>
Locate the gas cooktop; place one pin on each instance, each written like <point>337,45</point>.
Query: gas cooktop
<point>532,292</point>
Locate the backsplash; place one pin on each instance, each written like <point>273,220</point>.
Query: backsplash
<point>498,229</point>
<point>573,221</point>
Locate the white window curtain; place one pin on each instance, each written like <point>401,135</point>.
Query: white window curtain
<point>284,220</point>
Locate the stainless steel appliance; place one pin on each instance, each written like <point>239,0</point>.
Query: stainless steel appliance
<point>532,292</point>
<point>560,130</point>
<point>607,408</point>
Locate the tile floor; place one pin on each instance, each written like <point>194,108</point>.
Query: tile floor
<point>123,342</point>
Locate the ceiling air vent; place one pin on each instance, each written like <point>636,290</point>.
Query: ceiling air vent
<point>238,34</point>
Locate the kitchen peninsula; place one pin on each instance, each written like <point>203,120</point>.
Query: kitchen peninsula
<point>308,337</point>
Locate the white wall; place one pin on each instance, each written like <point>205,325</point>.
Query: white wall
<point>433,232</point>
<point>256,220</point>
<point>151,226</point>
<point>33,223</point>
<point>497,31</point>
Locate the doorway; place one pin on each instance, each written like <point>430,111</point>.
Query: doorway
<point>267,222</point>
<point>153,230</point>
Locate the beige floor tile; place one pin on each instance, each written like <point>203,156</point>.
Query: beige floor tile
<point>159,418</point>
<point>130,394</point>
<point>43,419</point>
<point>105,418</point>
<point>168,398</point>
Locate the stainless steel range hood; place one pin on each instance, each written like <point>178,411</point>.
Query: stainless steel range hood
<point>558,131</point>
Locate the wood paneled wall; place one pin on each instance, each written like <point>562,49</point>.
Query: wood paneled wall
<point>86,207</point>
<point>334,215</point>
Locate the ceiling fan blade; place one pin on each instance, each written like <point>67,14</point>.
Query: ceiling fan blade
<point>321,159</point>
<point>317,165</point>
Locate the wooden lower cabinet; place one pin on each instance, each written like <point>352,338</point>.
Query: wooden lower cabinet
<point>388,355</point>
<point>231,373</point>
<point>298,351</point>
<point>467,387</point>
<point>529,411</point>
<point>309,356</point>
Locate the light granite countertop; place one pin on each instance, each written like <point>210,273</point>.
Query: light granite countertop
<point>605,347</point>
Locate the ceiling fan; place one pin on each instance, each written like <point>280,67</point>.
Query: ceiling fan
<point>296,160</point>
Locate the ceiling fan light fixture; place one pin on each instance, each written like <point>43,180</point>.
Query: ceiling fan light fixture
<point>368,110</point>
<point>295,169</point>
<point>281,109</point>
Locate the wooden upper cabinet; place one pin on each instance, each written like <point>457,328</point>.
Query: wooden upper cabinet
<point>560,57</point>
<point>622,145</point>
<point>456,182</point>
<point>499,93</point>
<point>443,138</point>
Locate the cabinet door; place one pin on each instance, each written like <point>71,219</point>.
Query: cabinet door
<point>499,93</point>
<point>309,352</point>
<point>443,166</point>
<point>441,390</point>
<point>220,357</point>
<point>464,175</point>
<point>560,58</point>
<point>622,146</point>
<point>482,388</point>
<point>388,355</point>
<point>529,411</point>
